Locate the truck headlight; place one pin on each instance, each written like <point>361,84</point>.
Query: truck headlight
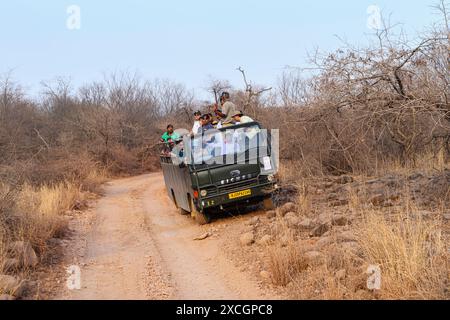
<point>270,177</point>
<point>203,193</point>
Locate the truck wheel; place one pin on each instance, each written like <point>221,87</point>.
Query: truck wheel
<point>183,212</point>
<point>268,204</point>
<point>202,218</point>
<point>199,216</point>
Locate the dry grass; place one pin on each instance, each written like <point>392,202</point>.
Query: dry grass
<point>427,163</point>
<point>285,263</point>
<point>411,253</point>
<point>39,211</point>
<point>411,250</point>
<point>318,283</point>
<point>94,180</point>
<point>304,201</point>
<point>36,214</point>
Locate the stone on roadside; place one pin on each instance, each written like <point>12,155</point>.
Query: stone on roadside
<point>291,219</point>
<point>11,265</point>
<point>332,196</point>
<point>322,242</point>
<point>415,176</point>
<point>265,275</point>
<point>285,239</point>
<point>320,230</point>
<point>247,239</point>
<point>8,284</point>
<point>378,199</point>
<point>346,236</point>
<point>6,297</point>
<point>22,288</point>
<point>271,214</point>
<point>254,221</point>
<point>339,203</point>
<point>352,247</point>
<point>305,224</point>
<point>287,207</point>
<point>341,274</point>
<point>54,242</point>
<point>24,252</point>
<point>266,239</point>
<point>344,179</point>
<point>339,220</point>
<point>314,257</point>
<point>324,217</point>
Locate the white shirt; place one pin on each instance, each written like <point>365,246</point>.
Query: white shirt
<point>196,126</point>
<point>246,119</point>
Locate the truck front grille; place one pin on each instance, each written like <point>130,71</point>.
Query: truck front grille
<point>237,185</point>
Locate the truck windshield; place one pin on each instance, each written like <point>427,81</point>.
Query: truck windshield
<point>236,144</point>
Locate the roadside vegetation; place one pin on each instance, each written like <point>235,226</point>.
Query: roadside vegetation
<point>365,173</point>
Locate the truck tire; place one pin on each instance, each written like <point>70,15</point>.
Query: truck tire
<point>183,212</point>
<point>199,216</point>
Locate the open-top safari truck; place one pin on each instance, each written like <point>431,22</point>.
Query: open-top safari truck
<point>221,169</point>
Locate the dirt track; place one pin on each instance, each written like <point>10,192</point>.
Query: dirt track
<point>140,247</point>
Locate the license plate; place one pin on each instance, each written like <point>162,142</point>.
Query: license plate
<point>240,194</point>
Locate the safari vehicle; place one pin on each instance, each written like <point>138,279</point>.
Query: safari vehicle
<point>221,169</point>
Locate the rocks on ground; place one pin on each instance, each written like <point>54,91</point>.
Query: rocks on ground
<point>12,286</point>
<point>314,257</point>
<point>24,253</point>
<point>287,207</point>
<point>265,275</point>
<point>305,224</point>
<point>265,239</point>
<point>344,179</point>
<point>320,230</point>
<point>271,214</point>
<point>292,220</point>
<point>339,220</point>
<point>247,239</point>
<point>340,274</point>
<point>254,221</point>
<point>10,265</point>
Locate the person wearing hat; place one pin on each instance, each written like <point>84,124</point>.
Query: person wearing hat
<point>228,108</point>
<point>239,117</point>
<point>197,123</point>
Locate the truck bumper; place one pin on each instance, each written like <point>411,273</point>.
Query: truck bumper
<point>237,196</point>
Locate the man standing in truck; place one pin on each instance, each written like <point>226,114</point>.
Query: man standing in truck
<point>227,111</point>
<point>197,123</point>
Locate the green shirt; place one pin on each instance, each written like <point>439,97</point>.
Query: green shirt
<point>166,136</point>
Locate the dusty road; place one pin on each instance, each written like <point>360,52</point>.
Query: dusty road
<point>140,247</point>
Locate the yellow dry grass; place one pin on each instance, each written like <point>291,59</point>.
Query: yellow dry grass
<point>411,253</point>
<point>285,262</point>
<point>94,180</point>
<point>410,250</point>
<point>36,215</point>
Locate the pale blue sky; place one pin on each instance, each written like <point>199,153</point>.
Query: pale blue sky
<point>186,41</point>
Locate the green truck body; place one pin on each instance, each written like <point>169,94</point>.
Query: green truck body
<point>203,189</point>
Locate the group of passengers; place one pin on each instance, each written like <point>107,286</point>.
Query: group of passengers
<point>226,116</point>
